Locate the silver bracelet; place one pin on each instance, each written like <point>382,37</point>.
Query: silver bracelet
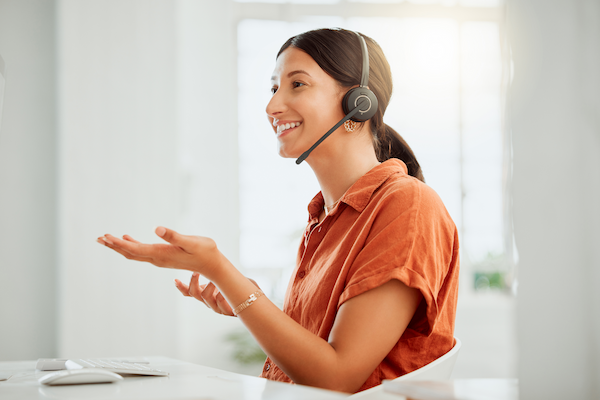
<point>251,299</point>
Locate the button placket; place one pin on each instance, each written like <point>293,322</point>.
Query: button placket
<point>307,241</point>
<point>314,230</point>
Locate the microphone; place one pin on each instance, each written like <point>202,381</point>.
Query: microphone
<point>346,118</point>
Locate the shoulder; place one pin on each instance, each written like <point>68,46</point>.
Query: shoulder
<point>413,211</point>
<point>402,193</point>
<point>387,196</point>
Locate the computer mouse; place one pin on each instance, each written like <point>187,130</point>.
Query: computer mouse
<point>80,376</point>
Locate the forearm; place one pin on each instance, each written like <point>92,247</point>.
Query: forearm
<point>362,334</point>
<point>306,358</point>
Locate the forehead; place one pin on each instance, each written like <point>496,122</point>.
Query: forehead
<point>293,60</point>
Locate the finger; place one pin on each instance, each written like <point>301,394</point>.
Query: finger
<point>224,305</point>
<point>188,244</point>
<point>183,288</point>
<point>124,253</point>
<point>195,289</point>
<point>254,282</point>
<point>135,248</point>
<point>209,297</point>
<point>108,243</point>
<point>130,239</point>
<point>157,254</point>
<point>194,286</point>
<point>173,237</point>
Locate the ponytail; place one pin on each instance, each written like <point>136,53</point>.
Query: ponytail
<point>389,144</point>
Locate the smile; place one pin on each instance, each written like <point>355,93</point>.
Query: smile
<point>285,127</point>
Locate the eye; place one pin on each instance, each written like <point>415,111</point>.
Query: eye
<point>273,89</point>
<point>297,84</point>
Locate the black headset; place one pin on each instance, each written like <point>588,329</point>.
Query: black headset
<point>352,98</point>
<point>359,104</point>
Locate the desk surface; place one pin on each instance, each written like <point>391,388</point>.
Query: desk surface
<point>191,381</point>
<point>186,381</point>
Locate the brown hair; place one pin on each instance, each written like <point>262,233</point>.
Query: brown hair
<point>338,53</point>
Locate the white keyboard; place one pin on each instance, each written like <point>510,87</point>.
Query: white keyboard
<point>119,367</point>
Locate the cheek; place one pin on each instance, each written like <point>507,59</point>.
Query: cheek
<point>330,106</point>
<point>321,110</point>
<point>327,115</point>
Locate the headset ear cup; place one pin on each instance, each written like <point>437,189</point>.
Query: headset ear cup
<point>353,98</point>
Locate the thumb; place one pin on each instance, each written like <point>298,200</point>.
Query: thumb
<point>171,236</point>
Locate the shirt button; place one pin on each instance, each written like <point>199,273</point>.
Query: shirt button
<point>267,367</point>
<point>301,274</point>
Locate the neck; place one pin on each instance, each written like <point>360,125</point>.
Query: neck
<point>338,167</point>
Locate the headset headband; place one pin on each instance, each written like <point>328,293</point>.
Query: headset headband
<point>364,79</point>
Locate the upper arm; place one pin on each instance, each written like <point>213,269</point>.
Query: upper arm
<point>367,327</point>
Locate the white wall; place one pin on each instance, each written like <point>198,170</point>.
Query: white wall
<point>118,173</point>
<point>555,106</point>
<point>143,92</point>
<point>28,181</point>
<point>209,162</point>
<point>147,138</point>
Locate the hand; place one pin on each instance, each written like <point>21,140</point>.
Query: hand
<point>208,293</point>
<point>193,253</point>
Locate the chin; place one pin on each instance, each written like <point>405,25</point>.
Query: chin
<point>286,152</point>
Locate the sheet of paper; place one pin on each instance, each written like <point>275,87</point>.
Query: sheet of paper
<point>4,376</point>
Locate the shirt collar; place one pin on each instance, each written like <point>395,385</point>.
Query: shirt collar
<point>359,194</point>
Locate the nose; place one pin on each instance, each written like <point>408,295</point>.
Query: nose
<point>276,105</point>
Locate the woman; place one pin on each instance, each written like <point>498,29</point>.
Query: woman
<point>374,292</point>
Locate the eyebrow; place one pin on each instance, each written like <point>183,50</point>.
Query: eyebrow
<point>296,72</point>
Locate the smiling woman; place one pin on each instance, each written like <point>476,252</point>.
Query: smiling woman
<point>373,295</point>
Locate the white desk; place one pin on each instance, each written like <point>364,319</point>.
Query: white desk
<point>186,381</point>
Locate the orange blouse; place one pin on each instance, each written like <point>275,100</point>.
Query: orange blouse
<point>388,225</point>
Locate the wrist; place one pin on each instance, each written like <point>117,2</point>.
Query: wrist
<point>248,302</point>
<point>220,269</point>
<point>232,283</point>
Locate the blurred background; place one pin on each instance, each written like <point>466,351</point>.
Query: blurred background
<point>123,115</point>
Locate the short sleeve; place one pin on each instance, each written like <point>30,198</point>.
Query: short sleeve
<point>411,239</point>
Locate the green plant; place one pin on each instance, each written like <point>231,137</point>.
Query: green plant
<point>245,349</point>
<point>489,280</point>
<point>490,272</point>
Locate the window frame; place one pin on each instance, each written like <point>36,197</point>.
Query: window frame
<point>292,12</point>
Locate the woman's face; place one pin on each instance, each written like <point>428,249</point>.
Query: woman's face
<point>306,103</point>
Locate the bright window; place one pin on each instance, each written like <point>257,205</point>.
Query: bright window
<point>446,104</point>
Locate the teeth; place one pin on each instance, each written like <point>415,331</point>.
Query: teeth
<point>287,126</point>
